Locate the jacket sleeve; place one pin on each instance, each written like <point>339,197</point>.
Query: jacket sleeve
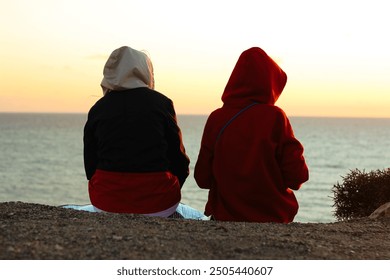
<point>291,159</point>
<point>203,172</point>
<point>179,161</point>
<point>90,149</point>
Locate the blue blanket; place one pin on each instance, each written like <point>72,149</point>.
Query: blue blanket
<point>184,210</point>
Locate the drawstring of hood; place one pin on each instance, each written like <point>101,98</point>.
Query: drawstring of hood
<point>127,68</point>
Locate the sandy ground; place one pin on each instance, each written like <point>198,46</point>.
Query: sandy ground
<point>34,231</point>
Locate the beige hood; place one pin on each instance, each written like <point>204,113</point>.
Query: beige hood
<point>127,68</point>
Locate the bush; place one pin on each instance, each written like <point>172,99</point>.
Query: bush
<point>361,193</point>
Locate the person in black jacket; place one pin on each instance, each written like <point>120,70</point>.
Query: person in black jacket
<point>134,156</point>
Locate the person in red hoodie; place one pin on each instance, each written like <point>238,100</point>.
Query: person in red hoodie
<point>249,158</point>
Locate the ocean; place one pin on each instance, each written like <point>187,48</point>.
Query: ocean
<point>41,158</point>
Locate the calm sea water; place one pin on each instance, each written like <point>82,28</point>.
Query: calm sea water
<point>41,158</point>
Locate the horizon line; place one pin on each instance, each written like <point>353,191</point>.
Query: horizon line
<point>203,115</point>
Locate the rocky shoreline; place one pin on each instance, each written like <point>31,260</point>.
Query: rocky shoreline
<point>40,232</point>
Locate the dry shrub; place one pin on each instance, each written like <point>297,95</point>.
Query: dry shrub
<point>361,193</point>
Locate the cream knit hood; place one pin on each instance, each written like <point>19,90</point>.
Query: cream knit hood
<point>127,68</point>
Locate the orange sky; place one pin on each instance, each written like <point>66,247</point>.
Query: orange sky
<point>335,53</point>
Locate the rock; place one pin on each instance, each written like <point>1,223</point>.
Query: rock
<point>382,211</point>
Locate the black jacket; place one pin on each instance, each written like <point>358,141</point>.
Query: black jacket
<point>134,131</point>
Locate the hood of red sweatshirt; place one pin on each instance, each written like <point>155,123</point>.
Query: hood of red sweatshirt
<point>255,78</point>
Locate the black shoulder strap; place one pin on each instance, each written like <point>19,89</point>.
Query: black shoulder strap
<point>233,118</point>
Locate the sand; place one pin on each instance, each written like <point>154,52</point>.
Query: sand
<point>40,232</point>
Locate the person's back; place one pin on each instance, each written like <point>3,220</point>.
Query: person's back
<point>134,157</point>
<point>133,127</point>
<point>249,157</point>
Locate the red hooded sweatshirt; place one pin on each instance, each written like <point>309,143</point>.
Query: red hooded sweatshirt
<point>256,162</point>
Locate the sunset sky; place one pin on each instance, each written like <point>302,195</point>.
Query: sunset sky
<point>336,53</point>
